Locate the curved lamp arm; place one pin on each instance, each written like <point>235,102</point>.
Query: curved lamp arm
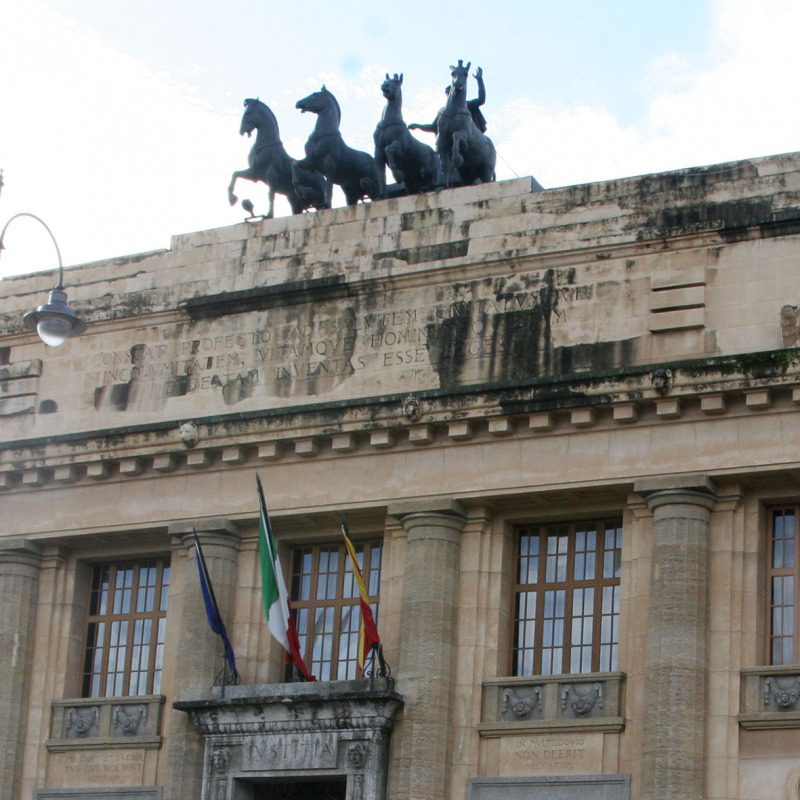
<point>60,284</point>
<point>54,321</point>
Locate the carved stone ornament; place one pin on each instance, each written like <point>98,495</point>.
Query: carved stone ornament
<point>82,722</point>
<point>662,381</point>
<point>253,734</point>
<point>128,720</point>
<point>220,758</point>
<point>783,692</point>
<point>357,754</point>
<point>412,408</point>
<point>518,707</point>
<point>189,434</point>
<point>582,700</point>
<point>790,326</point>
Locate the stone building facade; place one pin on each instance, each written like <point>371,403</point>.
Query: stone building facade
<point>564,428</point>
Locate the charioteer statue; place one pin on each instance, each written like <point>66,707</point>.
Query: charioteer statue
<point>467,154</point>
<point>474,107</point>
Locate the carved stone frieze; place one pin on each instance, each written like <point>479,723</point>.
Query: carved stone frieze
<point>522,704</point>
<point>771,697</point>
<point>782,693</point>
<point>790,326</point>
<point>545,703</point>
<point>582,700</point>
<point>129,720</point>
<point>106,721</point>
<point>269,732</point>
<point>82,722</point>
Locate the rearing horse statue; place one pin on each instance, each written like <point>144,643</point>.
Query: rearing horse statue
<point>268,160</point>
<point>355,171</point>
<point>468,156</point>
<point>412,163</point>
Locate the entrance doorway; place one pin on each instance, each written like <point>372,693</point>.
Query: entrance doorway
<point>328,788</point>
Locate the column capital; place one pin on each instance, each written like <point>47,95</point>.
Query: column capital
<point>691,490</point>
<point>435,507</point>
<point>214,531</point>
<point>20,551</point>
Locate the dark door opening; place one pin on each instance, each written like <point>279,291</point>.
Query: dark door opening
<point>328,788</point>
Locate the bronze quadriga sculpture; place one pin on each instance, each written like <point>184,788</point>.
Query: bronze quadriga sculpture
<point>413,164</point>
<point>468,156</point>
<point>463,155</point>
<point>355,171</point>
<point>269,162</point>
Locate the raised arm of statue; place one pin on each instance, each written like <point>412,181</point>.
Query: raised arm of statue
<point>481,98</point>
<point>474,106</point>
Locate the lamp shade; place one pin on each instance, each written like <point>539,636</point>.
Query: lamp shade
<point>55,321</point>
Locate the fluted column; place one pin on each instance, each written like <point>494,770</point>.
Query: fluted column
<point>426,668</point>
<point>19,585</point>
<point>196,649</point>
<point>673,746</point>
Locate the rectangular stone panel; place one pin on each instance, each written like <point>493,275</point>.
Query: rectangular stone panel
<point>291,751</point>
<point>542,754</point>
<point>126,793</point>
<point>569,787</point>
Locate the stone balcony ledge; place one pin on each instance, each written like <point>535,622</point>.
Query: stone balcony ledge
<point>592,701</point>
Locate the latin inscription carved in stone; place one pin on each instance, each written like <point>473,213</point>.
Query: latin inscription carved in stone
<point>567,754</point>
<point>441,337</point>
<point>109,768</point>
<point>291,751</point>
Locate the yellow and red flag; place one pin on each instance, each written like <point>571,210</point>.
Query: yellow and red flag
<point>368,636</point>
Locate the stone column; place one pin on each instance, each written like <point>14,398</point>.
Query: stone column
<point>19,586</point>
<point>673,742</point>
<point>196,649</point>
<point>426,668</point>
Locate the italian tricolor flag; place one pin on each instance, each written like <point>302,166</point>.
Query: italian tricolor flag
<point>273,588</point>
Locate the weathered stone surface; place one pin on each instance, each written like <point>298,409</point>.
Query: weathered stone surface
<point>339,729</point>
<point>444,368</point>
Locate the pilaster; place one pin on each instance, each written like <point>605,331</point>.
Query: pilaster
<point>20,561</point>
<point>426,672</point>
<point>197,649</point>
<point>676,674</point>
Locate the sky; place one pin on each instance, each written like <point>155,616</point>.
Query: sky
<point>119,119</point>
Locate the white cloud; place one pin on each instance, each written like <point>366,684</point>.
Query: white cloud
<point>738,103</point>
<point>117,156</point>
<point>114,156</point>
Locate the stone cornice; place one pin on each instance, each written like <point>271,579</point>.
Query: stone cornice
<point>702,389</point>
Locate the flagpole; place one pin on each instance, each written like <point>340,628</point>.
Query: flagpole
<point>215,617</point>
<point>277,606</point>
<point>368,630</point>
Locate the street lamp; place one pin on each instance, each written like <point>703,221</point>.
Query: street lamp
<point>55,321</point>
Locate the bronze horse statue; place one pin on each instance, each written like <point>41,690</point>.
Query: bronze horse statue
<point>412,163</point>
<point>355,171</point>
<point>270,163</point>
<point>468,156</point>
